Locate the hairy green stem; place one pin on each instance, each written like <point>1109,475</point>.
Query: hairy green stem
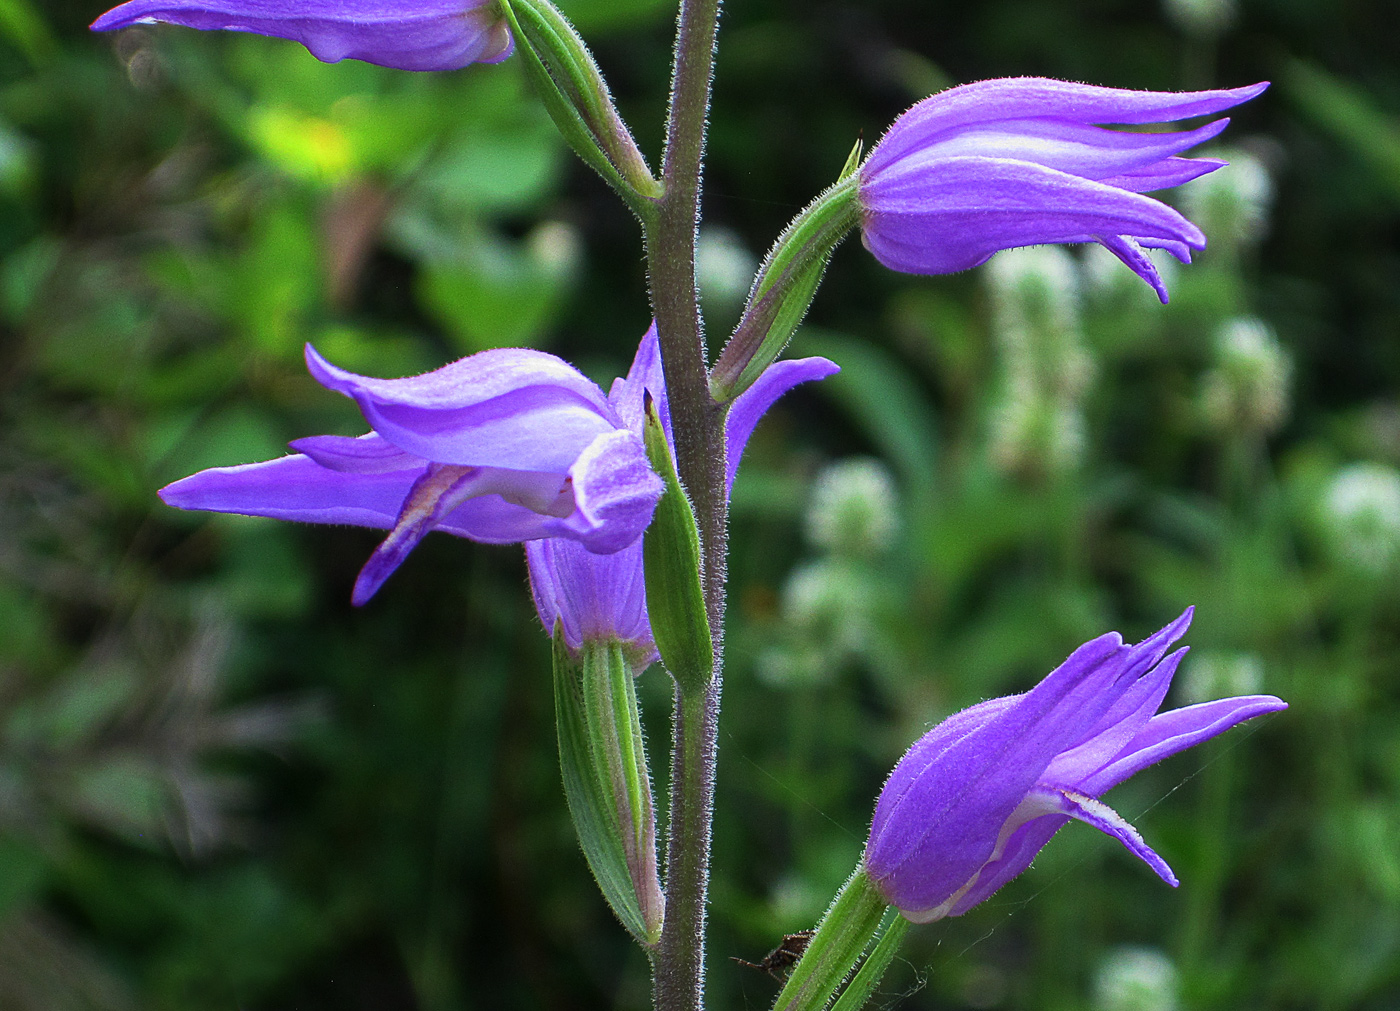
<point>697,424</point>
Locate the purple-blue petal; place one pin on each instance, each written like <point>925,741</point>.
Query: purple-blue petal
<point>508,407</point>
<point>368,454</point>
<point>943,221</point>
<point>615,492</point>
<point>593,596</point>
<point>753,403</point>
<point>628,395</point>
<point>1164,174</point>
<point>1079,149</point>
<point>1036,97</point>
<point>405,34</point>
<point>296,488</point>
<point>1168,733</point>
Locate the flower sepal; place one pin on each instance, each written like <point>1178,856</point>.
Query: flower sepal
<point>574,93</point>
<point>786,283</point>
<point>671,559</point>
<point>607,783</point>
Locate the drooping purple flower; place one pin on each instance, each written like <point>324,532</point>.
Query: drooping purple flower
<point>503,446</point>
<point>405,34</point>
<point>604,596</point>
<point>973,801</point>
<point>1021,162</point>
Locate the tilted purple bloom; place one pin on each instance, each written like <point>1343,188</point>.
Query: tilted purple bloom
<point>1021,162</point>
<point>503,446</point>
<point>973,801</point>
<point>405,34</point>
<point>604,596</point>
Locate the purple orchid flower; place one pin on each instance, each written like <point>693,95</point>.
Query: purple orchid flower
<point>503,446</point>
<point>974,800</point>
<point>1020,162</point>
<point>404,34</point>
<point>604,596</point>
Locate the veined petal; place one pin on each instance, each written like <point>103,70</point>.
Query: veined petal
<point>753,403</point>
<point>1164,174</point>
<point>1043,813</point>
<point>1167,733</point>
<point>957,217</point>
<point>1102,817</point>
<point>1026,97</point>
<point>593,596</point>
<point>437,491</point>
<point>1077,148</point>
<point>508,407</point>
<point>405,34</point>
<point>1124,721</point>
<point>1135,258</point>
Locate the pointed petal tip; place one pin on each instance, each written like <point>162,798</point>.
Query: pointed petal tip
<point>371,578</point>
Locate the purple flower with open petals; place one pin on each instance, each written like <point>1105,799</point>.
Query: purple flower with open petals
<point>604,596</point>
<point>503,446</point>
<point>405,34</point>
<point>1021,162</point>
<point>974,800</point>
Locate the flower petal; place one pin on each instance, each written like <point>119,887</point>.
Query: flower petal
<point>593,596</point>
<point>1167,733</point>
<point>508,407</point>
<point>296,488</point>
<point>754,402</point>
<point>1079,149</point>
<point>645,376</point>
<point>368,454</point>
<point>937,222</point>
<point>406,34</point>
<point>436,492</point>
<point>1025,97</point>
<point>615,491</point>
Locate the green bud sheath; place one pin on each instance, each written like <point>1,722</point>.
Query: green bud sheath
<point>671,553</point>
<point>603,760</point>
<point>574,93</point>
<point>786,284</point>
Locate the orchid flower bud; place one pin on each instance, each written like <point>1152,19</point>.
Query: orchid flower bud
<point>974,800</point>
<point>1022,161</point>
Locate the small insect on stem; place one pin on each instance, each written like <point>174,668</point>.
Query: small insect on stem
<point>783,957</point>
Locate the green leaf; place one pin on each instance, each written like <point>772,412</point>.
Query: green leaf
<point>671,551</point>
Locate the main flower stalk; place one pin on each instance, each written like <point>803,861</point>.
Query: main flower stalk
<point>698,427</point>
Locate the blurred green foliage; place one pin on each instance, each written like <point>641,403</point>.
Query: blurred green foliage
<point>221,787</point>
